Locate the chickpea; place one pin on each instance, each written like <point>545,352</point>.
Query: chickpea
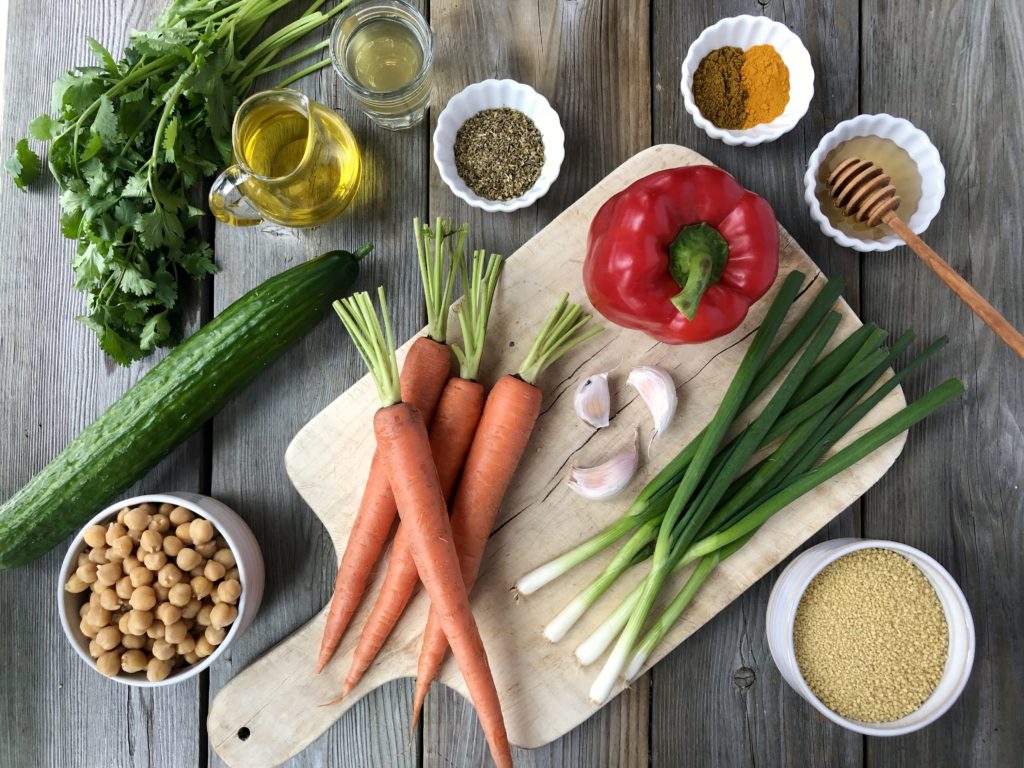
<point>149,644</point>
<point>188,559</point>
<point>109,663</point>
<point>87,573</point>
<point>180,515</point>
<point>121,513</point>
<point>94,599</point>
<point>165,508</point>
<point>169,575</point>
<point>187,645</point>
<point>139,621</point>
<point>182,532</point>
<point>130,563</point>
<point>215,598</point>
<point>98,555</point>
<point>154,560</point>
<point>137,518</point>
<point>108,638</point>
<point>121,548</point>
<point>115,532</point>
<point>151,541</point>
<point>200,530</point>
<point>82,610</point>
<point>161,593</point>
<point>122,625</point>
<point>158,669</point>
<point>168,613</point>
<point>214,571</point>
<point>197,571</point>
<point>203,647</point>
<point>160,523</point>
<point>95,535</point>
<point>108,574</point>
<point>98,616</point>
<point>88,629</point>
<point>173,546</point>
<point>141,577</point>
<point>163,650</point>
<point>95,650</point>
<point>180,594</point>
<point>155,630</point>
<point>191,657</point>
<point>191,610</point>
<point>133,660</point>
<point>203,617</point>
<point>175,632</point>
<point>222,614</point>
<point>109,599</point>
<point>209,549</point>
<point>134,535</point>
<point>148,507</point>
<point>75,585</point>
<point>232,573</point>
<point>215,635</point>
<point>83,558</point>
<point>123,588</point>
<point>225,557</point>
<point>229,590</point>
<point>201,586</point>
<point>143,598</point>
<point>133,642</point>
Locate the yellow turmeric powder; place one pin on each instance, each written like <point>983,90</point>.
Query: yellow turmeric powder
<point>765,79</point>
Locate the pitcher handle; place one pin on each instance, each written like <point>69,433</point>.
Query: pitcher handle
<point>228,203</point>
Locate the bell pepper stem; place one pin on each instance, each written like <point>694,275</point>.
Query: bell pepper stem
<point>696,259</point>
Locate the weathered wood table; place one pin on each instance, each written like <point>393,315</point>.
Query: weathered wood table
<point>611,69</point>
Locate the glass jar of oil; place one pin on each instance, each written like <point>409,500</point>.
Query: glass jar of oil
<point>382,49</point>
<point>296,163</point>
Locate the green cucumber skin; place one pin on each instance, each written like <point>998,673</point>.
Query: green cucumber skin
<point>168,404</point>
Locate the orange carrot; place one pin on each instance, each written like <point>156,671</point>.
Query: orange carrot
<point>423,379</point>
<point>451,433</point>
<point>405,451</point>
<point>424,375</point>
<point>509,416</point>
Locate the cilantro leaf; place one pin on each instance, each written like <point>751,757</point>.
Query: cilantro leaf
<point>23,165</point>
<point>104,124</point>
<point>170,137</point>
<point>42,128</point>
<point>155,331</point>
<point>134,282</point>
<point>102,55</point>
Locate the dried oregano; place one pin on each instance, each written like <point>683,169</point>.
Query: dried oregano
<point>499,153</point>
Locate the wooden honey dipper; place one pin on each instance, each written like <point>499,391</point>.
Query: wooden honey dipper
<point>864,192</point>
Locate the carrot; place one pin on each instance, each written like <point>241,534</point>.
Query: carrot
<point>509,416</point>
<point>426,370</point>
<point>451,433</point>
<point>405,450</point>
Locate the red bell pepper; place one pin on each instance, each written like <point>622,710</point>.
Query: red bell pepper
<point>681,254</point>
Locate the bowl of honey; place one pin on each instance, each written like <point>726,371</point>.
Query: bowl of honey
<point>903,151</point>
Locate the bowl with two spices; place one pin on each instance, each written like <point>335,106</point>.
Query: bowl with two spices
<point>155,588</point>
<point>499,145</point>
<point>747,80</point>
<point>876,635</point>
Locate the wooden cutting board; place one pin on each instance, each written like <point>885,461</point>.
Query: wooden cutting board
<point>543,689</point>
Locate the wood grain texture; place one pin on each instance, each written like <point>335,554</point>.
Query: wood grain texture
<point>725,674</point>
<point>958,496</point>
<point>54,710</point>
<point>250,436</point>
<point>591,60</point>
<point>544,692</point>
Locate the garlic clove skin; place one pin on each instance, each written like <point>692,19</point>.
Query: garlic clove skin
<point>658,391</point>
<point>608,478</point>
<point>593,401</point>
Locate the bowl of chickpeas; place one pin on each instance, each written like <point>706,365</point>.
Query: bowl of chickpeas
<point>155,588</point>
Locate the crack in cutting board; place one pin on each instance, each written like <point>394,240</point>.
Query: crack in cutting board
<point>543,689</point>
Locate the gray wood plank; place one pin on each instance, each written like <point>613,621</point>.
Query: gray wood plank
<point>955,70</point>
<point>250,436</point>
<point>54,710</point>
<point>724,675</point>
<point>591,61</point>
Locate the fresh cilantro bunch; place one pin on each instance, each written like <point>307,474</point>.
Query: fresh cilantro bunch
<point>131,138</point>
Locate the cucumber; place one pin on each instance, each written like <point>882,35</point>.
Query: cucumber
<point>169,403</point>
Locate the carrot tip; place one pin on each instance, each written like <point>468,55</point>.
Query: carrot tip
<point>333,702</point>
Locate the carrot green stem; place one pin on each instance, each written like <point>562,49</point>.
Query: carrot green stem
<point>376,345</point>
<point>440,254</point>
<point>480,285</point>
<point>562,330</point>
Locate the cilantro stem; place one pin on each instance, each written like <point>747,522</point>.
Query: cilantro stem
<point>302,73</point>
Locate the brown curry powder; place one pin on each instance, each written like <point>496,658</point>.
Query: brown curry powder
<point>736,90</point>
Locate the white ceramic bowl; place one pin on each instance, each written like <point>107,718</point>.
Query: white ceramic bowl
<point>745,32</point>
<point>913,141</point>
<point>789,589</point>
<point>494,94</point>
<point>248,559</point>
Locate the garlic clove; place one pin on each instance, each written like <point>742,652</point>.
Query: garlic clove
<point>608,478</point>
<point>658,391</point>
<point>593,401</point>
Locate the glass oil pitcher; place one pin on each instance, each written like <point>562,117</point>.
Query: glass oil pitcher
<point>296,163</point>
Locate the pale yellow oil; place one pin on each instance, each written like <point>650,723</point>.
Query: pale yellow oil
<point>889,156</point>
<point>307,167</point>
<point>384,55</point>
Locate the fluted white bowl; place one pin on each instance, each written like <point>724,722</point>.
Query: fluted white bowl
<point>905,135</point>
<point>495,94</point>
<point>745,32</point>
<point>240,540</point>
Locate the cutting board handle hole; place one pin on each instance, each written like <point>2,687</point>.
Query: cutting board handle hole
<point>243,733</point>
